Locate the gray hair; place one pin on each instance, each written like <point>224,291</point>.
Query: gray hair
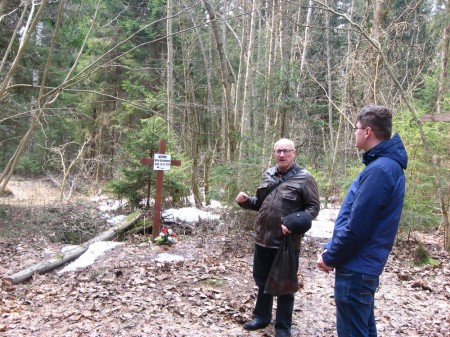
<point>284,141</point>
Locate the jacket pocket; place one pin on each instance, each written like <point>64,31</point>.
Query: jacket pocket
<point>289,198</point>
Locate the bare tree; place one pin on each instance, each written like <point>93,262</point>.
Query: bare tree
<point>227,114</point>
<point>269,118</point>
<point>329,77</point>
<point>248,45</point>
<point>191,117</point>
<point>210,110</point>
<point>430,154</point>
<point>67,167</point>
<point>442,87</point>
<point>285,52</point>
<point>169,90</point>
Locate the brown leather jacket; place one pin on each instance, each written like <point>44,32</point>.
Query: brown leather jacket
<point>299,193</point>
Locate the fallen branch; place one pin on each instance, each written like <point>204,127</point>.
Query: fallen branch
<point>72,254</point>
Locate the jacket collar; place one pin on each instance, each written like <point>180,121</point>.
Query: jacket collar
<point>392,148</point>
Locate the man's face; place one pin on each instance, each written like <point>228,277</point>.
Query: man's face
<point>285,155</point>
<point>360,138</point>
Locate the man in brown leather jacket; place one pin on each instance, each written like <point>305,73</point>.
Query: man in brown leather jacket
<point>297,192</point>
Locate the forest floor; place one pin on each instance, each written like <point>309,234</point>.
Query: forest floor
<point>129,292</point>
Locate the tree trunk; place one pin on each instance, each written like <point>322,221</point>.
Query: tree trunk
<point>193,122</point>
<point>442,87</point>
<point>306,38</point>
<point>225,73</point>
<point>16,30</point>
<point>24,43</point>
<point>206,174</point>
<point>211,111</point>
<point>63,258</point>
<point>237,96</point>
<point>344,121</point>
<point>169,87</point>
<point>248,44</point>
<point>2,6</point>
<point>304,51</point>
<point>285,51</point>
<point>329,78</point>
<point>442,90</point>
<point>268,111</point>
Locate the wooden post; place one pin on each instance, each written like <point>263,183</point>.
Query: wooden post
<point>159,186</point>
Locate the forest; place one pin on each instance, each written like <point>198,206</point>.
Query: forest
<point>88,87</point>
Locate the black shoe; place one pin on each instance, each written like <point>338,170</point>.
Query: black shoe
<point>254,325</point>
<point>282,333</point>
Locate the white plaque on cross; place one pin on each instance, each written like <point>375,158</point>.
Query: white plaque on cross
<point>161,162</point>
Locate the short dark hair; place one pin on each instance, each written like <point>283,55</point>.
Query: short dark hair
<point>378,118</point>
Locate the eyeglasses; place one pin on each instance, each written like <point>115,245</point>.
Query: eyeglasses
<point>355,128</point>
<point>284,151</point>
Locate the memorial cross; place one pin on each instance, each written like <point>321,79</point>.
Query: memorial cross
<point>161,163</point>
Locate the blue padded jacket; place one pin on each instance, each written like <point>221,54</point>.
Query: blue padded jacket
<point>368,220</point>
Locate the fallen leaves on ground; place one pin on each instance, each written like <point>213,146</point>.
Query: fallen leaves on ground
<point>127,292</point>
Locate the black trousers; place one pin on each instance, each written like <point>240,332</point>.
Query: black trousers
<point>262,261</point>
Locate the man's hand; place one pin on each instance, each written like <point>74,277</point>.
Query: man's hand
<point>285,230</point>
<point>242,197</point>
<point>322,266</point>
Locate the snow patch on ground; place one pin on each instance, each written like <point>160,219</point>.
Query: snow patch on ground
<point>88,257</point>
<point>116,219</point>
<point>166,257</point>
<point>323,225</point>
<point>188,215</point>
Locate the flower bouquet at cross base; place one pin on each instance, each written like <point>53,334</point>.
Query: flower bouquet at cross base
<point>166,237</point>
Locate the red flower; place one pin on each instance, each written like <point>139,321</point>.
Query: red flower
<point>164,231</point>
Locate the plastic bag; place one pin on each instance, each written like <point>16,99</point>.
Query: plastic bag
<point>283,277</point>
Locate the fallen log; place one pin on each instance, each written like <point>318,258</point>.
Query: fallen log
<point>62,258</point>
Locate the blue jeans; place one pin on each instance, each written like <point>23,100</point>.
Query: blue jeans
<point>354,297</point>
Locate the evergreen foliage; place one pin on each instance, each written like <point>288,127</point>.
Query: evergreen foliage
<point>136,181</point>
<point>421,208</point>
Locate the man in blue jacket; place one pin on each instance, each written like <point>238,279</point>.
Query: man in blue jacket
<point>367,223</point>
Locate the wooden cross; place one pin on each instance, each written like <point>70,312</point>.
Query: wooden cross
<point>159,186</point>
